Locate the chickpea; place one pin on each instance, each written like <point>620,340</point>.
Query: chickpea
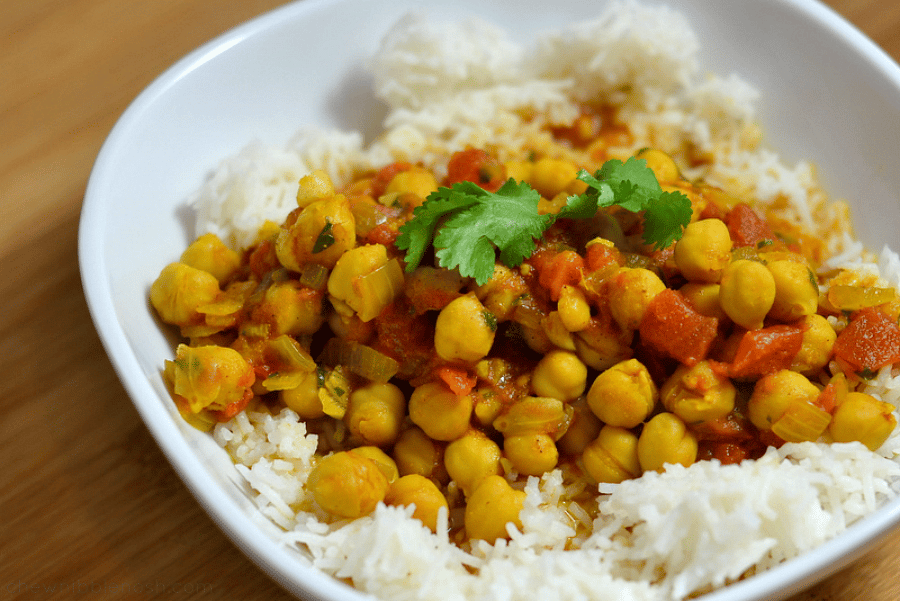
<point>519,170</point>
<point>416,180</point>
<point>796,290</point>
<point>502,292</point>
<point>384,462</point>
<point>314,186</point>
<point>704,250</point>
<point>488,406</point>
<point>698,393</point>
<point>531,454</point>
<point>665,439</point>
<point>440,413</point>
<point>560,374</point>
<point>492,505</point>
<point>551,176</point>
<point>415,453</point>
<point>323,231</point>
<point>612,456</point>
<point>574,310</point>
<point>472,458</point>
<point>535,414</point>
<point>623,395</point>
<point>556,332</point>
<point>603,344</point>
<point>304,398</point>
<point>347,484</point>
<point>863,418</point>
<point>464,330</point>
<point>208,253</point>
<point>704,298</point>
<point>290,308</point>
<point>417,490</point>
<point>179,291</point>
<point>775,393</point>
<point>375,413</point>
<point>818,342</point>
<point>747,293</point>
<point>353,264</point>
<point>662,164</point>
<point>583,428</point>
<point>210,377</point>
<point>630,291</point>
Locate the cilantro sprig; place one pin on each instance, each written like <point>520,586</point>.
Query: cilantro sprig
<point>467,224</point>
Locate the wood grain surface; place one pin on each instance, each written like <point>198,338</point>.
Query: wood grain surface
<point>89,507</point>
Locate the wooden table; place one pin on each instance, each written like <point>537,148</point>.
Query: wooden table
<point>89,504</point>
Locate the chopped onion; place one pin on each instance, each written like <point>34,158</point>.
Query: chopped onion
<point>853,298</point>
<point>335,393</point>
<point>360,359</point>
<point>291,361</point>
<point>801,422</point>
<point>378,289</point>
<point>314,276</point>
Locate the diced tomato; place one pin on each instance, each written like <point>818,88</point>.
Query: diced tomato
<point>263,259</point>
<point>747,227</point>
<point>766,350</point>
<point>827,399</point>
<point>458,379</point>
<point>477,166</point>
<point>385,233</point>
<point>558,269</point>
<point>599,256</point>
<point>672,327</point>
<point>869,342</point>
<point>234,408</point>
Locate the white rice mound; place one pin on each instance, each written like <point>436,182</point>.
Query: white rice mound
<point>662,536</point>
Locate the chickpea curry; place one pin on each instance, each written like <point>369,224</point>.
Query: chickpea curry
<point>595,343</point>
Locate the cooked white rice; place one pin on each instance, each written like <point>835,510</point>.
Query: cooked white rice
<point>662,536</point>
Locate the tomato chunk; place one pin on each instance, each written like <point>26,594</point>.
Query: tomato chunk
<point>672,327</point>
<point>477,166</point>
<point>766,350</point>
<point>869,342</point>
<point>747,227</point>
<point>558,270</point>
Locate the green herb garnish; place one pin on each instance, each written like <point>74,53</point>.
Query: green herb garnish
<point>467,225</point>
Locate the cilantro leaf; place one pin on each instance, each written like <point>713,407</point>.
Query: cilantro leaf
<point>467,225</point>
<point>478,222</point>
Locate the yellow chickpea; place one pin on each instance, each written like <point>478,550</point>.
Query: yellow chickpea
<point>698,393</point>
<point>612,456</point>
<point>665,439</point>
<point>209,377</point>
<point>583,428</point>
<point>556,332</point>
<point>415,453</point>
<point>560,374</point>
<point>775,393</point>
<point>417,181</point>
<point>535,414</point>
<point>375,413</point>
<point>440,413</point>
<point>419,491</point>
<point>796,290</point>
<point>623,395</point>
<point>863,418</point>
<point>574,310</point>
<point>492,505</point>
<point>551,176</point>
<point>353,264</point>
<point>662,164</point>
<point>815,350</point>
<point>304,398</point>
<point>747,292</point>
<point>704,250</point>
<point>290,308</point>
<point>502,292</point>
<point>630,291</point>
<point>347,485</point>
<point>323,231</point>
<point>464,330</point>
<point>314,186</point>
<point>519,170</point>
<point>384,462</point>
<point>704,298</point>
<point>208,253</point>
<point>531,454</point>
<point>179,291</point>
<point>603,345</point>
<point>471,459</point>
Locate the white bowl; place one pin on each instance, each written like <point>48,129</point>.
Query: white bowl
<point>829,95</point>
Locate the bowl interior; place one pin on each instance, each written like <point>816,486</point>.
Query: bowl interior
<point>828,95</point>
